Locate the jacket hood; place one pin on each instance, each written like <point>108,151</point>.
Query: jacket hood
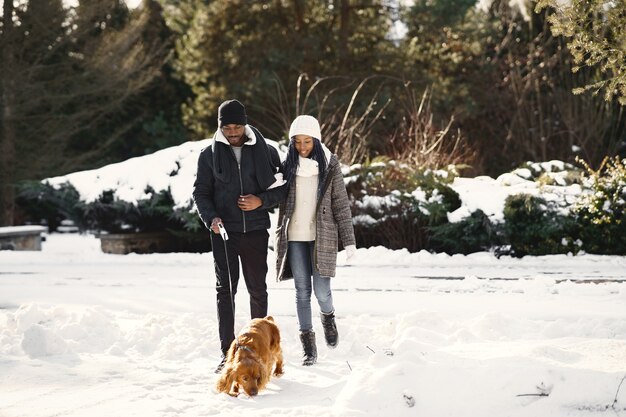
<point>219,136</point>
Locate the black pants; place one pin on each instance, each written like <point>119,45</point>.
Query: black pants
<point>251,248</point>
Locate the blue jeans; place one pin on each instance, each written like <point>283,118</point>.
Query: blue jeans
<point>300,255</point>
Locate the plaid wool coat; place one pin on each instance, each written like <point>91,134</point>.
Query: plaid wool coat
<point>334,222</point>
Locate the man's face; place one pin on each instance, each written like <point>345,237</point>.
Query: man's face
<point>234,134</point>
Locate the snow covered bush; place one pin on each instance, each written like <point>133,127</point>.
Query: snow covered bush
<point>152,213</point>
<point>41,203</point>
<point>472,234</point>
<point>601,213</point>
<point>535,226</point>
<point>550,173</point>
<point>394,204</point>
<point>156,212</point>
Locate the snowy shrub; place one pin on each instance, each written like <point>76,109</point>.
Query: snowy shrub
<point>155,212</point>
<point>394,205</point>
<point>193,236</point>
<point>550,173</point>
<point>107,213</point>
<point>41,203</point>
<point>472,234</point>
<point>534,226</point>
<point>602,212</point>
<point>150,214</point>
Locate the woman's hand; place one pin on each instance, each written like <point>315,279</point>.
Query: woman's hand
<point>350,252</point>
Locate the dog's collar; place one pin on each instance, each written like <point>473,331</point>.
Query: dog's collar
<point>243,347</point>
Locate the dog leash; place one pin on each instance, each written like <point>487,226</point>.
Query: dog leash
<point>224,235</point>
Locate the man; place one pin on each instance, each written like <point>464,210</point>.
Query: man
<point>236,184</point>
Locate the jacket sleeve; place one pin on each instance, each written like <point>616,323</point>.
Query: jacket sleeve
<point>204,187</point>
<point>340,205</point>
<point>272,197</point>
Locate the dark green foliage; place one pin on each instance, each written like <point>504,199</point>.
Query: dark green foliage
<point>242,54</point>
<point>193,237</point>
<point>188,218</point>
<point>151,214</point>
<point>42,203</point>
<point>532,226</point>
<point>159,132</point>
<point>603,239</point>
<point>154,213</point>
<point>78,82</point>
<point>150,119</point>
<point>595,31</point>
<point>440,198</point>
<point>108,213</point>
<point>473,234</point>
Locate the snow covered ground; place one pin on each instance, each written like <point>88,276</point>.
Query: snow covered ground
<point>84,333</point>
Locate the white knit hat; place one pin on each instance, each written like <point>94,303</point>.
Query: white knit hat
<point>305,125</point>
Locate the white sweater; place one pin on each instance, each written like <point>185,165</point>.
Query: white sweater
<point>302,224</point>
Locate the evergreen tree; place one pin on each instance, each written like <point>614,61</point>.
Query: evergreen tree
<point>61,76</point>
<point>596,33</point>
<point>235,48</point>
<point>151,119</point>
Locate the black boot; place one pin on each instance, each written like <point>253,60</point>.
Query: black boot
<point>309,354</point>
<point>330,329</point>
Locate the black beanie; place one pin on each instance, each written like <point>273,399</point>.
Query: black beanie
<point>231,112</point>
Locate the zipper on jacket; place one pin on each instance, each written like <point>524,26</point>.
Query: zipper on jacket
<point>243,213</point>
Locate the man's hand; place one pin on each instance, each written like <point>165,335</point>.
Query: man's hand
<point>249,202</point>
<point>214,224</point>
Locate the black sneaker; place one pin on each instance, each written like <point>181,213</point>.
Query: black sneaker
<point>220,366</point>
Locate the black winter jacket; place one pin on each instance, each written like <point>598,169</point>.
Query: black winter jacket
<point>216,189</point>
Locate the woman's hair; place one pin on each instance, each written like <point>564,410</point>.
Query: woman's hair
<point>290,166</point>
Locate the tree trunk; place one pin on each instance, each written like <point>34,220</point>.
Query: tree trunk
<point>7,140</point>
<point>298,7</point>
<point>344,32</point>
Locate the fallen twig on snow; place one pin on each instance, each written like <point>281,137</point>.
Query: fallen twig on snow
<point>543,391</point>
<point>617,392</point>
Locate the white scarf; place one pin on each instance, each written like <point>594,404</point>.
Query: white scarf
<point>307,167</point>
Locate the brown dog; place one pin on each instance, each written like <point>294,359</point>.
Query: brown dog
<point>251,358</point>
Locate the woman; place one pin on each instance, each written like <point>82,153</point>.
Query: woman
<point>314,214</point>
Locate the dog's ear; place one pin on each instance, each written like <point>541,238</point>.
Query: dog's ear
<point>264,376</point>
<point>275,339</point>
<point>230,355</point>
<point>225,381</point>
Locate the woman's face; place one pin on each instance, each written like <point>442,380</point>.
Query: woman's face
<point>303,144</point>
